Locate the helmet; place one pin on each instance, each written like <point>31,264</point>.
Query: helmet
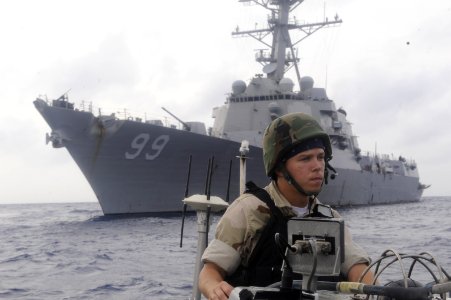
<point>288,131</point>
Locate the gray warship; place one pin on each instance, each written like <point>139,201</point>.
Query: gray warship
<point>140,166</point>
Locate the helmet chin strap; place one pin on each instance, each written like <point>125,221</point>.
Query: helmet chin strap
<point>293,182</point>
<point>300,190</point>
<point>311,196</point>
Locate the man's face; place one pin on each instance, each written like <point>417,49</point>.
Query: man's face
<point>307,169</point>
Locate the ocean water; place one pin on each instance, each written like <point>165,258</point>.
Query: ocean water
<point>72,251</point>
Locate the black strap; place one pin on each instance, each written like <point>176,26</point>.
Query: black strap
<point>262,194</point>
<point>276,220</point>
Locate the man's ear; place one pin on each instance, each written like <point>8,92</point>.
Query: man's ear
<point>278,171</point>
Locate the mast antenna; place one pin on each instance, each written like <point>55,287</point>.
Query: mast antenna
<point>282,55</point>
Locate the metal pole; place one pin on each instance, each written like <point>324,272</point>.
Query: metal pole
<point>201,245</point>
<point>244,150</point>
<point>242,174</point>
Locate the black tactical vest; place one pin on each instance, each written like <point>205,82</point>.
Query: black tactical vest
<point>265,262</point>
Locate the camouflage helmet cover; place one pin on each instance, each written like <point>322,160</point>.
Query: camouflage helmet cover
<point>287,131</point>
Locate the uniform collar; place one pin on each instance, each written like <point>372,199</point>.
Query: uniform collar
<point>281,202</point>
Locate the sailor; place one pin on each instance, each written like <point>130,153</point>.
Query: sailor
<point>296,152</point>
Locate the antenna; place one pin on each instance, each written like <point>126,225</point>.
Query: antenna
<point>184,204</point>
<point>208,187</point>
<point>207,179</point>
<point>228,182</point>
<point>278,62</point>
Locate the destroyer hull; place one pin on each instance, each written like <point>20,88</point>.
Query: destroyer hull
<point>136,167</point>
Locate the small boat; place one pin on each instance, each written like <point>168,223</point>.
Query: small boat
<point>315,249</point>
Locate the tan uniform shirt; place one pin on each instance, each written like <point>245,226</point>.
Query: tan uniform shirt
<point>241,225</point>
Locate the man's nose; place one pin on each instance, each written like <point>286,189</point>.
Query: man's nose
<point>318,164</point>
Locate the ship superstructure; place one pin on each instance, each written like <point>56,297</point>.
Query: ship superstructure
<point>137,166</point>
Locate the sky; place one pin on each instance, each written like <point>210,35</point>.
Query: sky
<point>388,65</point>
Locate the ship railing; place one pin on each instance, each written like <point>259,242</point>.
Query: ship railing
<point>389,157</point>
<point>45,99</point>
<point>125,114</point>
<point>268,97</point>
<point>332,132</point>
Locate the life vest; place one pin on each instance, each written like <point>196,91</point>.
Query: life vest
<point>265,262</point>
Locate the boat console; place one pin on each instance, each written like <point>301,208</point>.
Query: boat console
<point>315,248</point>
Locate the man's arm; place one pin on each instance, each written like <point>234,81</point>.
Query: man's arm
<point>212,284</point>
<point>356,271</point>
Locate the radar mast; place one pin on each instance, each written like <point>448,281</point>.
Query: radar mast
<point>282,56</point>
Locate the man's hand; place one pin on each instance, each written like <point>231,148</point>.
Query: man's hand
<point>212,284</point>
<point>221,291</point>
